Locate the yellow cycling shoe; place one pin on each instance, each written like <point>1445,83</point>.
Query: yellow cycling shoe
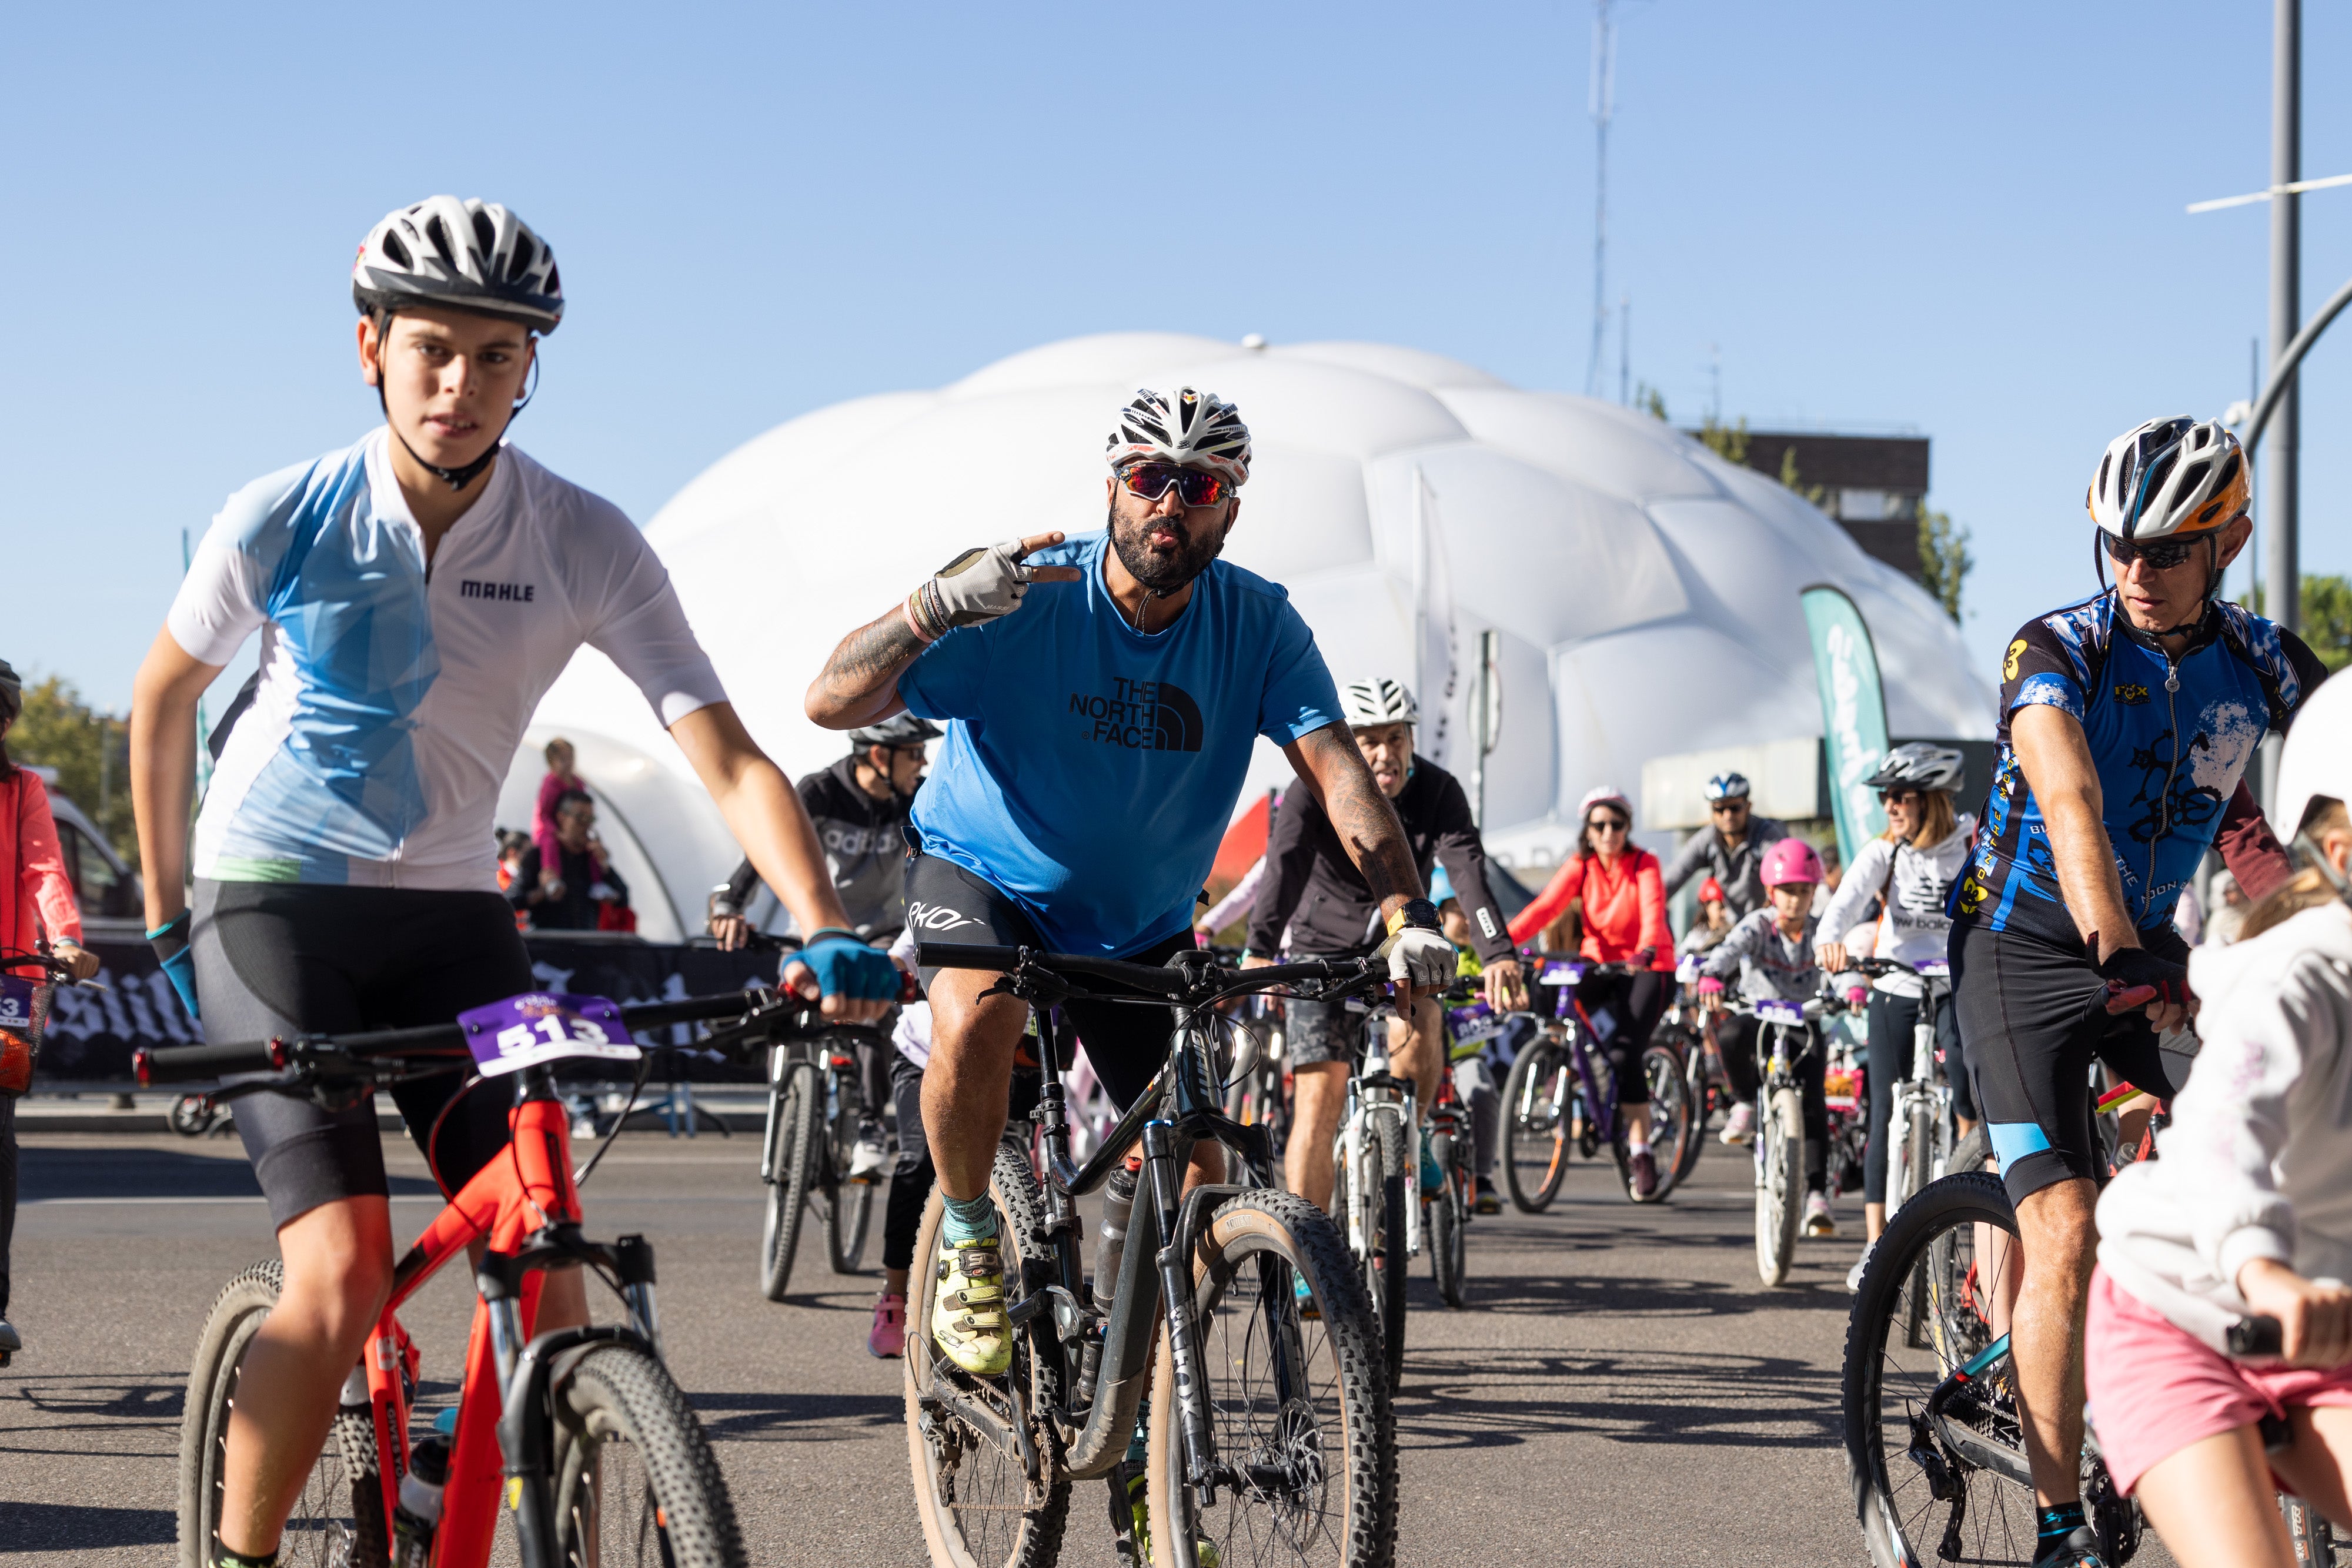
<point>968,1311</point>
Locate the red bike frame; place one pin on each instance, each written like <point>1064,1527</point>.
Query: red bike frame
<point>526,1188</point>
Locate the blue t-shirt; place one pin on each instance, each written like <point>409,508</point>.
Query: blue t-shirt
<point>1090,771</point>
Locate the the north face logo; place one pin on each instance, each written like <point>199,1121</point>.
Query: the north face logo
<point>1143,715</point>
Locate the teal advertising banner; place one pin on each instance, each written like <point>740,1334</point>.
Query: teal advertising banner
<point>1853,714</point>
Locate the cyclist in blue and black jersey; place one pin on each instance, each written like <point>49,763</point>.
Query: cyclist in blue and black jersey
<point>416,594</point>
<point>1104,694</point>
<point>2126,724</point>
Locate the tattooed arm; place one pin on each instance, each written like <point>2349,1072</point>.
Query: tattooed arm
<point>1333,767</point>
<point>859,685</point>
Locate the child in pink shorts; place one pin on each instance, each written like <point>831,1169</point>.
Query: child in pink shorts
<point>2246,1212</point>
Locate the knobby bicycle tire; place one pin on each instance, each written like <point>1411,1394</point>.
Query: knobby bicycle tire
<point>338,1516</point>
<point>1696,1091</point>
<point>1301,1505</point>
<point>636,1482</point>
<point>1779,1185</point>
<point>1386,1262</point>
<point>962,1483</point>
<point>1446,1221</point>
<point>1929,1249</point>
<point>795,1103</point>
<point>849,1204</point>
<point>1919,1152</point>
<point>1532,1130</point>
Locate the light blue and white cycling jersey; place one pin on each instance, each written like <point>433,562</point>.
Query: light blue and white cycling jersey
<point>393,694</point>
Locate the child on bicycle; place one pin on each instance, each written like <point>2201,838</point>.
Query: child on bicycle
<point>2248,1212</point>
<point>1772,949</point>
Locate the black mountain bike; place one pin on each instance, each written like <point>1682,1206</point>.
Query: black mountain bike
<point>1269,1436</point>
<point>815,1102</point>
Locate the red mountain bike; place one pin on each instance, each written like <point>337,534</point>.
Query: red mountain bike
<point>579,1432</point>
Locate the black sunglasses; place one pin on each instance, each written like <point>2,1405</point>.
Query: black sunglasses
<point>1722,806</point>
<point>1610,824</point>
<point>1195,486</point>
<point>1898,796</point>
<point>2161,555</point>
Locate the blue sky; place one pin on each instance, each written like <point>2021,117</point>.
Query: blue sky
<point>1964,219</point>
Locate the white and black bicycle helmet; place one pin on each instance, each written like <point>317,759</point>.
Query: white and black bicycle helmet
<point>1192,428</point>
<point>1921,765</point>
<point>1367,703</point>
<point>466,254</point>
<point>1726,787</point>
<point>2170,477</point>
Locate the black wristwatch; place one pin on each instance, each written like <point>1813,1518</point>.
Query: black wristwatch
<point>1417,913</point>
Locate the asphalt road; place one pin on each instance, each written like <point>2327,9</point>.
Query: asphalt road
<point>1620,1389</point>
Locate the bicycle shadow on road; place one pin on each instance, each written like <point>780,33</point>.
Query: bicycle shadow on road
<point>796,1417</point>
<point>1479,1399</point>
<point>47,1174</point>
<point>69,1527</point>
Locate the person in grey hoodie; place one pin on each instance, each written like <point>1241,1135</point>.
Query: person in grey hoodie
<point>2248,1212</point>
<point>1731,850</point>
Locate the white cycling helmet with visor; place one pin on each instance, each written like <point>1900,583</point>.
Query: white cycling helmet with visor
<point>1921,765</point>
<point>1363,704</point>
<point>467,255</point>
<point>1186,428</point>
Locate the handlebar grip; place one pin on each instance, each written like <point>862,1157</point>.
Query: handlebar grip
<point>185,1063</point>
<point>965,956</point>
<point>2261,1334</point>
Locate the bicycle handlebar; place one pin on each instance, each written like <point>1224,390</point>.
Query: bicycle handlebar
<point>2261,1334</point>
<point>185,1063</point>
<point>1183,984</point>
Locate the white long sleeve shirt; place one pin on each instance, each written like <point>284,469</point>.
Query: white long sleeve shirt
<point>1915,882</point>
<point>2258,1160</point>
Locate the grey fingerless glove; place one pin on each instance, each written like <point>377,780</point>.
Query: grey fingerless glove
<point>979,585</point>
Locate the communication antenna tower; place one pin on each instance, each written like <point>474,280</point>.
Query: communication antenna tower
<point>1604,105</point>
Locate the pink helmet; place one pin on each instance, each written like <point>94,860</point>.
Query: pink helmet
<point>1791,860</point>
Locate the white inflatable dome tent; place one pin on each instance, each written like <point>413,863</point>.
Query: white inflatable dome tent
<point>1644,591</point>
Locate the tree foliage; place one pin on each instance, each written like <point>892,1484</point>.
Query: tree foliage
<point>91,750</point>
<point>2326,617</point>
<point>1943,559</point>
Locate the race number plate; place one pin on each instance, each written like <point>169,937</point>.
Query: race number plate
<point>1774,1009</point>
<point>18,997</point>
<point>1935,969</point>
<point>1562,975</point>
<point>545,1026</point>
<point>1687,970</point>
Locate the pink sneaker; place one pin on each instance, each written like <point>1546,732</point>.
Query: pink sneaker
<point>887,1338</point>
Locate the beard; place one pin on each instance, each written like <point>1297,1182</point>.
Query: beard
<point>1162,571</point>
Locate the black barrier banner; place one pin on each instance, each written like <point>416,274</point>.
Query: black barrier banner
<point>92,1034</point>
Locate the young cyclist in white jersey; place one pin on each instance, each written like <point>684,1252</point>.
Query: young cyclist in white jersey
<point>1105,700</point>
<point>416,594</point>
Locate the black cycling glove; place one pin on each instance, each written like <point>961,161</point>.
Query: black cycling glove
<point>2135,967</point>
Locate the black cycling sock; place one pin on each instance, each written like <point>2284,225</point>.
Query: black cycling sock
<point>224,1558</point>
<point>2058,1522</point>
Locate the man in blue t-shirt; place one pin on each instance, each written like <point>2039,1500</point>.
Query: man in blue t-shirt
<point>1096,742</point>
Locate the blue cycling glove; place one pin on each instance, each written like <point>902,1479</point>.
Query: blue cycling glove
<point>169,941</point>
<point>847,967</point>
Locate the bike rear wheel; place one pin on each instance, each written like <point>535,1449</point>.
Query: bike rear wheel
<point>978,1506</point>
<point>797,1111</point>
<point>1779,1183</point>
<point>338,1516</point>
<point>1534,1128</point>
<point>849,1204</point>
<point>1926,1307</point>
<point>1298,1410</point>
<point>1447,1216</point>
<point>636,1482</point>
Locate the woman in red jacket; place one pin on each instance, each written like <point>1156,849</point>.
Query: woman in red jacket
<point>1624,894</point>
<point>36,911</point>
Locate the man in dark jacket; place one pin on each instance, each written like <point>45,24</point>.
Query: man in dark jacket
<point>1731,851</point>
<point>1313,890</point>
<point>859,805</point>
<point>582,884</point>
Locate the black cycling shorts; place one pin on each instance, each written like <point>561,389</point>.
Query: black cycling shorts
<point>2033,1015</point>
<point>285,959</point>
<point>1125,1044</point>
